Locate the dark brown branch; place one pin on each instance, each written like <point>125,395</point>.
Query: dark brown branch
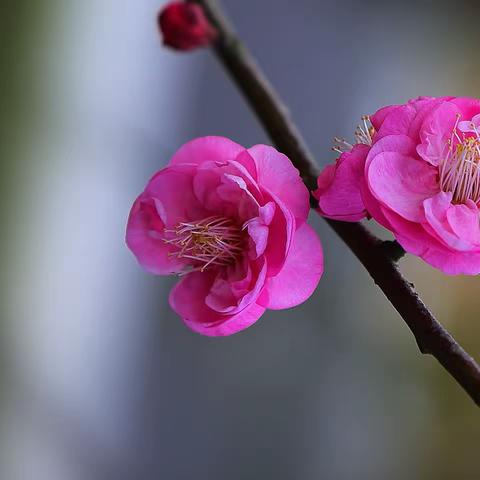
<point>379,258</point>
<point>393,250</point>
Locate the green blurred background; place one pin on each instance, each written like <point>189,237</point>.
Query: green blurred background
<point>100,379</point>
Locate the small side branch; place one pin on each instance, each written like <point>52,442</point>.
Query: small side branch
<point>393,250</point>
<point>379,258</point>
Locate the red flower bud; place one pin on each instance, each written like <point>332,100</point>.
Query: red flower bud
<point>184,26</point>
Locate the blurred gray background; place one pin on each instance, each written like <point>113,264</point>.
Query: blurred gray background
<point>100,379</point>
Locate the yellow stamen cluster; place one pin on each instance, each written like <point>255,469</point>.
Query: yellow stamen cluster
<point>460,170</point>
<point>212,241</point>
<point>363,135</point>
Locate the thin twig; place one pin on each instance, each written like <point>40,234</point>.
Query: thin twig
<point>378,257</point>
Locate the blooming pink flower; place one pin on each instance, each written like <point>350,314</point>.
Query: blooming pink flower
<point>338,192</point>
<point>232,223</point>
<point>184,26</point>
<point>421,180</point>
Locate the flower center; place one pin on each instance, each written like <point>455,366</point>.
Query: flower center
<point>460,170</point>
<point>212,241</point>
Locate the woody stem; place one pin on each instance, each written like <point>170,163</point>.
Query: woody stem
<point>377,257</point>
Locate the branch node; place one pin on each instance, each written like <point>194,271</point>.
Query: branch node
<point>392,249</point>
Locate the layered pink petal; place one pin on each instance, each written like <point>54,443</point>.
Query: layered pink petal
<point>379,116</point>
<point>447,261</point>
<point>338,194</point>
<point>396,122</point>
<point>444,259</point>
<point>248,163</point>
<point>300,274</point>
<point>258,229</point>
<point>417,241</point>
<point>431,248</point>
<point>258,233</point>
<point>424,106</point>
<point>441,215</point>
<point>222,190</point>
<point>187,299</point>
<point>325,179</point>
<point>205,149</point>
<point>234,192</point>
<point>281,230</point>
<point>276,174</point>
<point>469,107</point>
<point>144,237</point>
<point>421,105</point>
<point>172,187</point>
<point>372,205</point>
<point>167,200</point>
<point>435,131</point>
<point>413,237</point>
<point>454,263</point>
<point>402,183</point>
<point>232,324</point>
<point>390,143</point>
<point>465,222</point>
<point>205,184</point>
<point>234,290</point>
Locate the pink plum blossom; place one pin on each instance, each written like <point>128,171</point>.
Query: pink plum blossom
<point>419,177</point>
<point>231,222</point>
